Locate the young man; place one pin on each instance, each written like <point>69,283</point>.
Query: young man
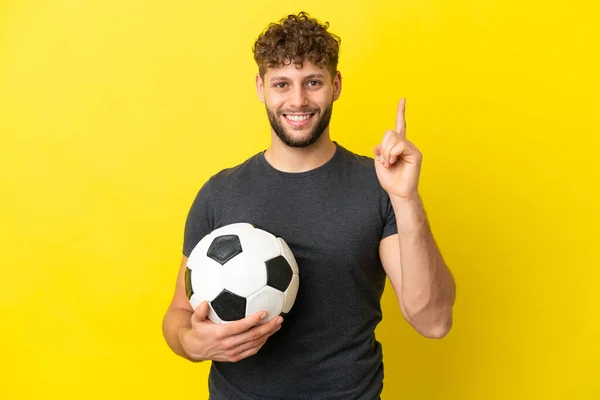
<point>350,221</point>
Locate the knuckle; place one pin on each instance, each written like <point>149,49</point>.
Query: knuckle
<point>261,334</point>
<point>252,333</point>
<point>227,344</point>
<point>250,352</point>
<point>220,332</point>
<point>231,354</point>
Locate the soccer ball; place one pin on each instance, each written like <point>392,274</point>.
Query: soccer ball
<point>239,270</point>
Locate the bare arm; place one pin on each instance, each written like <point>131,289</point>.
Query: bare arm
<point>178,316</point>
<point>423,283</point>
<point>421,280</point>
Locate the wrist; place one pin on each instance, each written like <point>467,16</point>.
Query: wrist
<point>412,200</point>
<point>410,213</point>
<point>182,335</point>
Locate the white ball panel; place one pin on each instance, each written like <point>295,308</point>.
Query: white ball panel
<point>260,244</point>
<point>232,229</point>
<point>290,294</point>
<point>267,299</point>
<point>244,275</point>
<point>288,255</point>
<point>200,250</point>
<point>195,301</point>
<point>212,315</point>
<point>207,278</point>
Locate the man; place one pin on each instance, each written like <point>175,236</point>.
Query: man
<point>350,221</point>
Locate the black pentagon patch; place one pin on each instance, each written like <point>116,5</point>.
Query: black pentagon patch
<point>224,248</point>
<point>229,306</point>
<point>279,273</point>
<point>188,283</point>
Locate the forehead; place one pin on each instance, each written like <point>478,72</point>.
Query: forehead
<point>292,71</point>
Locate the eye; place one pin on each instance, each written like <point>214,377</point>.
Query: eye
<point>313,83</point>
<point>280,85</point>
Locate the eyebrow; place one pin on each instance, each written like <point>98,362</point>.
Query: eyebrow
<point>285,78</point>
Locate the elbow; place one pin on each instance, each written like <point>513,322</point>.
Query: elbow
<point>432,328</point>
<point>438,331</point>
<point>431,322</point>
<point>439,323</point>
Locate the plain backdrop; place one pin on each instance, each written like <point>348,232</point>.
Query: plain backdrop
<point>114,113</point>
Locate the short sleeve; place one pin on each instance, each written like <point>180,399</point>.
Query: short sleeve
<point>389,217</point>
<point>200,220</point>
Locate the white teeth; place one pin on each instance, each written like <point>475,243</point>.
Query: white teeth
<point>298,117</point>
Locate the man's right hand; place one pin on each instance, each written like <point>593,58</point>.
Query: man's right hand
<point>230,342</point>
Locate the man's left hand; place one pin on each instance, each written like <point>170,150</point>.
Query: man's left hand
<point>398,161</point>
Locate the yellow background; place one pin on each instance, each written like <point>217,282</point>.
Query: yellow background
<point>113,114</point>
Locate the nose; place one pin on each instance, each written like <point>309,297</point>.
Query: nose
<point>298,98</point>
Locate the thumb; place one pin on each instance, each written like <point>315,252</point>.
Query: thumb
<point>201,312</point>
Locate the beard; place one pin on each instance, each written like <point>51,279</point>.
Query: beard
<point>313,135</point>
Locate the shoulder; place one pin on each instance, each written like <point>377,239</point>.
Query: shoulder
<point>228,177</point>
<point>235,173</point>
<point>361,173</point>
<point>357,163</point>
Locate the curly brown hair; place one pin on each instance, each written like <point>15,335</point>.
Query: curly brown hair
<point>294,39</point>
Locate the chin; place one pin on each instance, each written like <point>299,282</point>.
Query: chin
<point>300,141</point>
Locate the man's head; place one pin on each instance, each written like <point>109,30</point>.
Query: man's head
<point>298,79</point>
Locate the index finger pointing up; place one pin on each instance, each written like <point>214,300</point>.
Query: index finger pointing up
<point>401,117</point>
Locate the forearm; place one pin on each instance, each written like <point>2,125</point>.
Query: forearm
<point>428,288</point>
<point>174,322</point>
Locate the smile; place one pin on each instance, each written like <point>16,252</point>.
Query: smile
<point>298,120</point>
<point>297,117</point>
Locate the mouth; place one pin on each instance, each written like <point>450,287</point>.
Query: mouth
<point>298,119</point>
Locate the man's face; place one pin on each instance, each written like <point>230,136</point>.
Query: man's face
<point>298,101</point>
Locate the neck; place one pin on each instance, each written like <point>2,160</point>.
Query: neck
<point>293,159</point>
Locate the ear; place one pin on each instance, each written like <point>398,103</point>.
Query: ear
<point>260,88</point>
<point>337,85</point>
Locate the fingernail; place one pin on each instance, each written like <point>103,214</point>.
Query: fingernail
<point>279,321</point>
<point>263,316</point>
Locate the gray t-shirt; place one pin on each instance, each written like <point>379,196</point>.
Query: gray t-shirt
<point>333,218</point>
